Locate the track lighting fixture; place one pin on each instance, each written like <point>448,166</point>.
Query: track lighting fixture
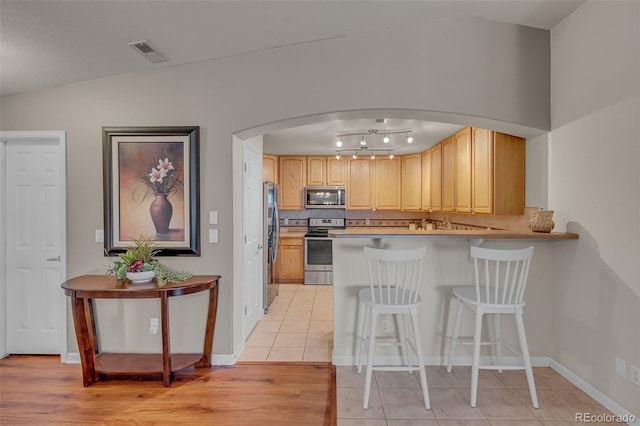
<point>355,152</point>
<point>373,132</point>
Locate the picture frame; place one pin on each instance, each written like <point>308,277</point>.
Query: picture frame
<point>151,188</point>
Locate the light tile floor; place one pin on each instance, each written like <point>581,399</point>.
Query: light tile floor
<point>297,327</point>
<point>503,399</point>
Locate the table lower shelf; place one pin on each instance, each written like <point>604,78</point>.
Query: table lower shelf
<point>128,364</point>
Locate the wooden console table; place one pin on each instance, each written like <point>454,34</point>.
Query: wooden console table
<point>84,289</point>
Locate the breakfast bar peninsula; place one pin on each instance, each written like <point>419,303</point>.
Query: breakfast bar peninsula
<point>447,266</point>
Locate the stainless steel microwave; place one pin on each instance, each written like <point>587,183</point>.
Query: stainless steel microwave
<point>325,197</point>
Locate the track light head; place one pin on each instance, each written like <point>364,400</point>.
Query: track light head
<point>409,138</point>
<point>386,139</point>
<point>363,141</point>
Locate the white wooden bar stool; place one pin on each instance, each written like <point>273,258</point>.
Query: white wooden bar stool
<point>394,280</point>
<point>500,281</point>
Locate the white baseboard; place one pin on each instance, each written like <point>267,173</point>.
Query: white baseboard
<point>72,358</point>
<point>216,359</point>
<point>4,356</point>
<point>587,388</point>
<point>349,360</point>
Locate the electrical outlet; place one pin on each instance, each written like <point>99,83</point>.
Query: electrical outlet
<point>621,367</point>
<point>635,374</point>
<point>385,326</point>
<point>153,326</point>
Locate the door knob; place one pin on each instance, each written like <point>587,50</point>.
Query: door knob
<point>54,259</point>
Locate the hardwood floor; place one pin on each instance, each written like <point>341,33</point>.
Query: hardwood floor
<point>41,390</point>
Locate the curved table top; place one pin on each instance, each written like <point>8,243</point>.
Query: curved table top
<point>109,287</point>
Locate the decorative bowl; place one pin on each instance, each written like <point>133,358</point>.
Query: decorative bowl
<point>141,277</point>
<point>541,220</point>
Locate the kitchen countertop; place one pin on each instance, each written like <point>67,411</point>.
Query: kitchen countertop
<point>379,232</point>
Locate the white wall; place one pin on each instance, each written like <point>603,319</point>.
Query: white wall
<point>594,181</point>
<point>485,70</point>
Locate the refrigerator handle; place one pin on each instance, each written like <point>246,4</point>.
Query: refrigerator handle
<point>276,236</point>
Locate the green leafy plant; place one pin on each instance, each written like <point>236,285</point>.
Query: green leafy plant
<point>140,258</point>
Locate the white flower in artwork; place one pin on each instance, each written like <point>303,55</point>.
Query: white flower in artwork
<point>156,175</point>
<point>165,165</point>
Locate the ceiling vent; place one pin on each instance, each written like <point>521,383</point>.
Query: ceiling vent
<point>143,48</point>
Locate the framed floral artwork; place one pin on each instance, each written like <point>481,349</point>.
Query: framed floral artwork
<point>151,188</point>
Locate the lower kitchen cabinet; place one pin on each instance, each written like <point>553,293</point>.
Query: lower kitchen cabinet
<point>290,261</point>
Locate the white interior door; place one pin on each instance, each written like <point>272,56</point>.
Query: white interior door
<point>253,244</point>
<point>34,212</point>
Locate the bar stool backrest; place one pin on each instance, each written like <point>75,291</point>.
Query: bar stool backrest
<point>501,275</point>
<point>395,275</point>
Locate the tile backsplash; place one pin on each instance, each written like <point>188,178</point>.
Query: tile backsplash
<point>361,218</point>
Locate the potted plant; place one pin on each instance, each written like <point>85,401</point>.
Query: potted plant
<point>139,265</point>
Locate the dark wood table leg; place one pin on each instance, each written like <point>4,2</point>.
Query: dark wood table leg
<point>205,361</point>
<point>166,347</point>
<point>83,322</point>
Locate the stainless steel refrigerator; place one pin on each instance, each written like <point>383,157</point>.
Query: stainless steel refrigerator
<point>271,229</point>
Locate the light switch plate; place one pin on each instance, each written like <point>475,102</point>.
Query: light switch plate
<point>99,236</point>
<point>213,218</point>
<point>213,236</point>
<point>621,367</point>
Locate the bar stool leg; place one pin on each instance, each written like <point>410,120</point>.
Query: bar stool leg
<point>406,320</point>
<point>418,347</point>
<point>369,372</point>
<point>524,348</point>
<point>496,324</point>
<point>364,336</point>
<point>476,358</point>
<point>454,336</point>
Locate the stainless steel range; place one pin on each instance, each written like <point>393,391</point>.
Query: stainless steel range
<point>318,253</point>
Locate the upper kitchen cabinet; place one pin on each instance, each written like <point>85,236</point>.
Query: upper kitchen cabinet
<point>388,183</point>
<point>360,184</point>
<point>432,179</point>
<point>498,173</point>
<point>292,182</point>
<point>425,177</point>
<point>326,171</point>
<point>270,168</point>
<point>412,182</point>
<point>436,178</point>
<point>463,197</point>
<point>448,175</point>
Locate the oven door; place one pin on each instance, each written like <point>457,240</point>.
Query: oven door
<point>318,261</point>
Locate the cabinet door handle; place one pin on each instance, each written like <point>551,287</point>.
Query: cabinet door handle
<point>53,259</point>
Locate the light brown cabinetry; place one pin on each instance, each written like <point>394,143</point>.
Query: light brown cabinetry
<point>498,173</point>
<point>326,171</point>
<point>270,168</point>
<point>483,172</point>
<point>448,175</point>
<point>412,182</point>
<point>463,159</point>
<point>292,182</point>
<point>290,261</point>
<point>425,201</point>
<point>360,184</point>
<point>387,184</point>
<point>436,178</point>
